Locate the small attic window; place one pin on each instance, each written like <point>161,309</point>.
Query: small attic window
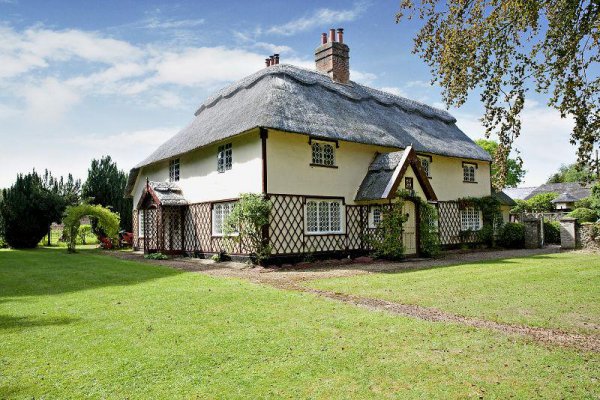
<point>174,170</point>
<point>224,157</point>
<point>323,153</point>
<point>469,172</point>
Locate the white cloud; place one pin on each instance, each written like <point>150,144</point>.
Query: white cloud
<point>543,143</point>
<point>394,90</point>
<point>321,17</point>
<point>48,100</point>
<point>156,23</point>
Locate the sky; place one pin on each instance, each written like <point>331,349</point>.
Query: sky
<point>83,79</point>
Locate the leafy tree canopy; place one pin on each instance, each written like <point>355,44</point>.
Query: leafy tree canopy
<point>571,173</point>
<point>32,204</point>
<point>105,185</point>
<point>539,203</point>
<point>499,49</point>
<point>515,172</point>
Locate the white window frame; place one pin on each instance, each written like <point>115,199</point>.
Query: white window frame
<point>174,170</point>
<point>469,172</point>
<point>373,221</point>
<point>224,157</point>
<point>317,151</point>
<point>470,219</point>
<point>225,209</point>
<point>319,221</point>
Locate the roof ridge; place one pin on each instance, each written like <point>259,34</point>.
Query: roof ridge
<point>318,78</point>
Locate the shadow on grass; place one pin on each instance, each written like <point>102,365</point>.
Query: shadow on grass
<point>8,322</point>
<point>48,271</point>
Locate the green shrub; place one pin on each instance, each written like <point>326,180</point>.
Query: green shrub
<point>387,240</point>
<point>430,239</point>
<point>156,256</point>
<point>108,221</point>
<point>249,216</point>
<point>512,235</point>
<point>584,215</point>
<point>552,232</point>
<point>221,256</point>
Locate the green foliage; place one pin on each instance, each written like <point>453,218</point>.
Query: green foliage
<point>32,204</point>
<point>584,203</point>
<point>83,233</point>
<point>514,166</point>
<point>156,256</point>
<point>428,232</point>
<point>552,232</point>
<point>105,185</point>
<point>539,203</point>
<point>249,217</point>
<point>491,216</point>
<point>387,240</point>
<point>595,198</point>
<point>499,50</point>
<point>584,215</point>
<point>221,256</point>
<point>571,173</point>
<point>107,221</point>
<point>512,235</point>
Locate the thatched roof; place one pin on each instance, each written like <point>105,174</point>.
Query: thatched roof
<point>294,99</point>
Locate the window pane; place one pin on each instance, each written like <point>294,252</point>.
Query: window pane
<point>328,154</point>
<point>317,154</point>
<point>323,216</point>
<point>311,216</point>
<point>376,216</point>
<point>336,217</point>
<point>425,165</point>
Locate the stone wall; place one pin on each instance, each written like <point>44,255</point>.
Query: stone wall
<point>568,233</point>
<point>589,236</point>
<point>533,233</point>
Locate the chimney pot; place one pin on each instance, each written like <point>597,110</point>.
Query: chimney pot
<point>276,58</point>
<point>332,35</point>
<point>340,33</point>
<point>323,38</point>
<point>267,62</point>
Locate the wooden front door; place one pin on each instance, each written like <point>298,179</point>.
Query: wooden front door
<point>409,234</point>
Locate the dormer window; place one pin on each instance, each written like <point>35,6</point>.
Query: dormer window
<point>224,157</point>
<point>469,172</point>
<point>174,170</point>
<point>323,153</point>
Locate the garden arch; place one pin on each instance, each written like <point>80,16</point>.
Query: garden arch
<point>108,221</point>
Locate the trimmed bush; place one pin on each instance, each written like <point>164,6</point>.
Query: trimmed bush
<point>512,235</point>
<point>552,232</point>
<point>584,215</point>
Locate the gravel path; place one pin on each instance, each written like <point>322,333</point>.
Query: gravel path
<point>294,277</point>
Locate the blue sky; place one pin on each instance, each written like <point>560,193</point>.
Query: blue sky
<point>82,79</point>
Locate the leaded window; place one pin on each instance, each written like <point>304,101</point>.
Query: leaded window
<point>324,216</point>
<point>174,170</point>
<point>224,157</point>
<point>375,217</point>
<point>220,212</point>
<point>469,172</point>
<point>323,153</point>
<point>425,165</point>
<point>470,219</point>
<point>408,183</point>
<point>141,223</point>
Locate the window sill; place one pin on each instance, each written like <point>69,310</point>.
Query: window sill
<point>322,165</point>
<point>469,182</point>
<point>324,233</point>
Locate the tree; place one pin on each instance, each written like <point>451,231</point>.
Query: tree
<point>29,207</point>
<point>105,185</point>
<point>515,172</point>
<point>539,203</point>
<point>499,49</point>
<point>571,173</point>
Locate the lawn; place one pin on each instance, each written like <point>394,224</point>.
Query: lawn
<point>91,326</point>
<point>559,291</point>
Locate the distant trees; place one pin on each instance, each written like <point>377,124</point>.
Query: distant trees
<point>514,166</point>
<point>539,203</point>
<point>105,185</point>
<point>30,205</point>
<point>572,173</point>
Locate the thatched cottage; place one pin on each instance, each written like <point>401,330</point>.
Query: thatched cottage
<point>328,152</point>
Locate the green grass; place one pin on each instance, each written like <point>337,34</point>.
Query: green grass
<point>554,291</point>
<point>90,326</point>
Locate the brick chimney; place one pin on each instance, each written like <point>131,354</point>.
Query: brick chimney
<point>333,56</point>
